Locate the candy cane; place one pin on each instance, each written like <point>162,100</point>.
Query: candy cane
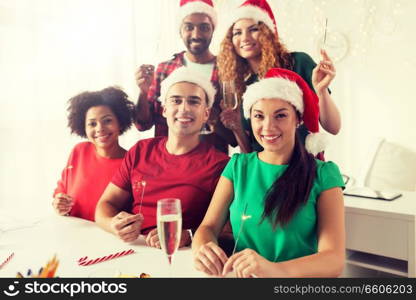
<point>83,261</point>
<point>6,260</point>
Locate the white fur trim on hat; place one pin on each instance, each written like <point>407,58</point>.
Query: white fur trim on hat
<point>249,12</point>
<point>274,87</point>
<point>184,74</point>
<point>195,8</point>
<point>316,142</point>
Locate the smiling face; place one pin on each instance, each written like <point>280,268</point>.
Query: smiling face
<point>245,34</point>
<point>274,124</point>
<point>185,109</point>
<point>102,127</point>
<point>196,33</point>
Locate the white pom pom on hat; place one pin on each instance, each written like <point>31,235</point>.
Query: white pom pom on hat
<point>289,86</point>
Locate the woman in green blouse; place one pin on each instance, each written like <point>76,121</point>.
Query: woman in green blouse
<point>291,204</point>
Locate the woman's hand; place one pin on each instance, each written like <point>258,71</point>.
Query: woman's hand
<point>152,239</point>
<point>231,118</point>
<point>210,259</point>
<point>323,74</point>
<point>126,226</point>
<point>248,263</point>
<point>62,203</point>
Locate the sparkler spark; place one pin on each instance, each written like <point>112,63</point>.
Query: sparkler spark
<point>326,26</point>
<point>143,184</point>
<point>244,217</point>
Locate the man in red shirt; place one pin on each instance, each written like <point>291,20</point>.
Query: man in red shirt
<point>178,166</point>
<point>197,22</point>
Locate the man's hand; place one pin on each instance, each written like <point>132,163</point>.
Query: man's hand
<point>144,77</point>
<point>231,118</point>
<point>152,239</point>
<point>126,226</point>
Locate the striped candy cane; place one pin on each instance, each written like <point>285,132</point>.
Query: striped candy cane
<point>83,261</point>
<point>6,260</point>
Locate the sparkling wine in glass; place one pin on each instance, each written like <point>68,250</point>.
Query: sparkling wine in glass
<point>169,225</point>
<point>229,94</point>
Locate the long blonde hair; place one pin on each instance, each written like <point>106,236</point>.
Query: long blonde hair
<point>231,66</point>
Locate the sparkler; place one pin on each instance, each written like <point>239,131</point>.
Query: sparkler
<point>326,26</point>
<point>143,183</point>
<point>244,217</point>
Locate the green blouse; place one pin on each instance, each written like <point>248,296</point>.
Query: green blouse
<point>251,180</point>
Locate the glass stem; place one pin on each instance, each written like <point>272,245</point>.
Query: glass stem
<point>170,266</point>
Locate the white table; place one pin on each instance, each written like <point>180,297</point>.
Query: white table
<point>72,238</point>
<point>382,228</point>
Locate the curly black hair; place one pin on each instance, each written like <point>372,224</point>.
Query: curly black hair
<point>113,97</point>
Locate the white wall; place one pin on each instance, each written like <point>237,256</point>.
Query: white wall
<point>374,84</point>
<point>52,49</point>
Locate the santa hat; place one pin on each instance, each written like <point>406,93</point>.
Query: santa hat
<point>258,10</point>
<point>184,74</point>
<point>289,86</point>
<point>189,7</point>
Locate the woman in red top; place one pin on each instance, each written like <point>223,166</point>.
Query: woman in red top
<point>101,117</point>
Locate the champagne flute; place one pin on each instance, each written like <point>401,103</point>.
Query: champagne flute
<point>169,226</point>
<point>229,94</point>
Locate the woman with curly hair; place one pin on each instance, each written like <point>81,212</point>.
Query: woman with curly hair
<point>101,117</point>
<point>250,48</point>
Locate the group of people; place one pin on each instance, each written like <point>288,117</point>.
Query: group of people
<point>289,198</point>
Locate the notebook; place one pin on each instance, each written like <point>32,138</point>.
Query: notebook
<point>366,192</point>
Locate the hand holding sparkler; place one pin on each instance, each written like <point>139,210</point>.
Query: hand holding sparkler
<point>126,226</point>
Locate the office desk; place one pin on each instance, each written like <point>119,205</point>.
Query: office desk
<point>72,238</point>
<point>382,228</point>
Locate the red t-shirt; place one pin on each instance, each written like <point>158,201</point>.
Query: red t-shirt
<point>191,177</point>
<point>85,177</point>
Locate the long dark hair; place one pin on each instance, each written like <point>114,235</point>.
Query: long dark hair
<point>292,189</point>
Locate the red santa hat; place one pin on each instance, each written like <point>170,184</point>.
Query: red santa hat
<point>289,86</point>
<point>258,10</point>
<point>184,74</point>
<point>188,7</point>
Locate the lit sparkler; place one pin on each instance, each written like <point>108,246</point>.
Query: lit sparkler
<point>143,184</point>
<point>244,217</point>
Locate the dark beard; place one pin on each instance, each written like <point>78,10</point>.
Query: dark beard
<point>200,49</point>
